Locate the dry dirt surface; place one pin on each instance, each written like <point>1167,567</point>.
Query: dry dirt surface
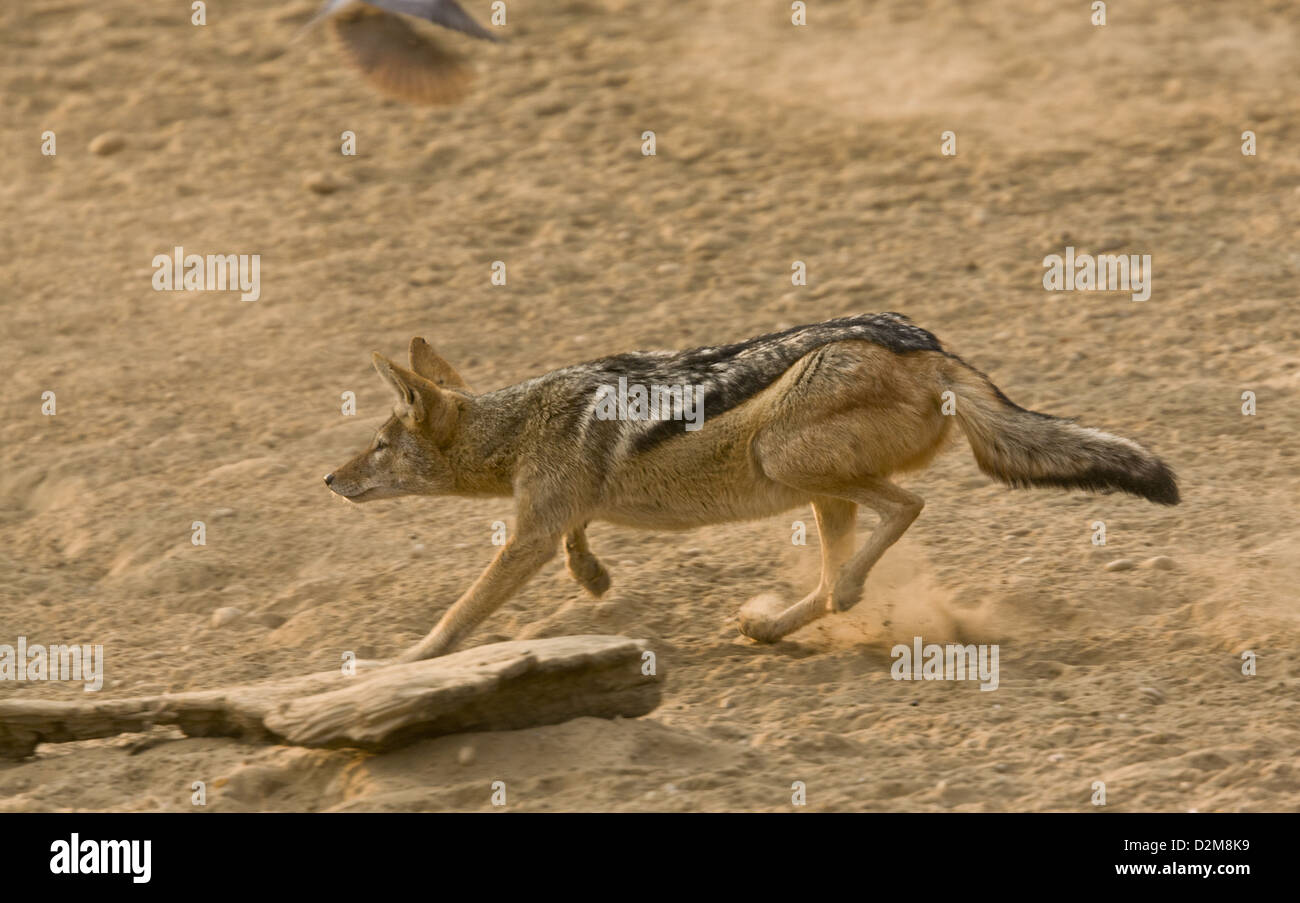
<point>775,143</point>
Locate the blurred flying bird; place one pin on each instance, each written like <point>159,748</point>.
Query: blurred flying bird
<point>395,57</point>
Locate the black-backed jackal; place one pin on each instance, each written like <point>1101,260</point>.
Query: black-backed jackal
<point>822,414</point>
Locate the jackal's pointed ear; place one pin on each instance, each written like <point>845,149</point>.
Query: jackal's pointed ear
<point>429,364</point>
<point>418,398</point>
<point>403,384</point>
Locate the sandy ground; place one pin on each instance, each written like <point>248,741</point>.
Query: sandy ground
<point>775,144</point>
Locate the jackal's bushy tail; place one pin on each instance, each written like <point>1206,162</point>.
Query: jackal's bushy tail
<point>1025,448</point>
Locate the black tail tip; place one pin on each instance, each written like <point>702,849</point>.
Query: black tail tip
<point>1150,479</point>
<point>1160,485</point>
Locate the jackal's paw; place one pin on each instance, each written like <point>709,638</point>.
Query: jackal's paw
<point>429,647</point>
<point>589,572</point>
<point>598,583</point>
<point>758,618</point>
<point>591,576</point>
<point>846,594</point>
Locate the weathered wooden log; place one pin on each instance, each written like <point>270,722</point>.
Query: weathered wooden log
<point>501,686</point>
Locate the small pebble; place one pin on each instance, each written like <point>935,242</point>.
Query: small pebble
<point>320,183</point>
<point>466,755</point>
<point>1120,564</point>
<point>1160,563</point>
<point>107,143</point>
<point>223,616</point>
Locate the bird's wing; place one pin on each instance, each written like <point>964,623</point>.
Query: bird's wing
<point>447,13</point>
<point>399,60</point>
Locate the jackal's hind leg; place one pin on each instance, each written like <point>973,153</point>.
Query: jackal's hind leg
<point>764,618</point>
<point>583,565</point>
<point>897,509</point>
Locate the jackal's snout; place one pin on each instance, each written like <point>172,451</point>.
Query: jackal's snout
<point>366,477</point>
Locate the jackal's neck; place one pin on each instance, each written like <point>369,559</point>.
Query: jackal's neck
<point>485,450</point>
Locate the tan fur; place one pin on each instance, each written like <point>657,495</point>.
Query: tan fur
<point>829,431</point>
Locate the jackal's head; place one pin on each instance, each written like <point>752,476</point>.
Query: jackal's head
<point>408,454</point>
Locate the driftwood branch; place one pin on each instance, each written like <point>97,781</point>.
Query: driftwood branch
<point>501,686</point>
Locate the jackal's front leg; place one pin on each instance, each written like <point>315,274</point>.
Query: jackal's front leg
<point>584,566</point>
<point>521,557</point>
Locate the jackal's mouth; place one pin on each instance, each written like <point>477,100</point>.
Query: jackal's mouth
<point>368,495</point>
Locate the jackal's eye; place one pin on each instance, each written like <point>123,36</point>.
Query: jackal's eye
<point>380,444</point>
